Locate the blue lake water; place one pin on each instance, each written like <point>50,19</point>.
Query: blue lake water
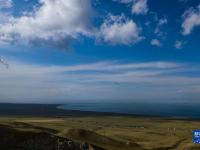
<point>185,110</point>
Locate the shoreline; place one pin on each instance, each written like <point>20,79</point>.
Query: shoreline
<point>52,110</point>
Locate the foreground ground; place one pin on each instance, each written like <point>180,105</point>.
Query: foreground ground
<point>114,133</point>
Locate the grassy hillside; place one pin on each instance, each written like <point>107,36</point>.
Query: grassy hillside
<point>116,133</point>
<point>99,140</point>
<point>33,139</point>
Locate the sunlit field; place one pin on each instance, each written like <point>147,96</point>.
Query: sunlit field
<point>116,133</point>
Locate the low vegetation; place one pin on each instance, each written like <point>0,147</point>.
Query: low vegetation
<point>115,133</point>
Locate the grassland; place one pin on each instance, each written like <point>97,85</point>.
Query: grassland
<point>116,133</point>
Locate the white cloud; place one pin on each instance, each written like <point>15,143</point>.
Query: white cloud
<point>53,20</point>
<point>161,22</point>
<point>179,44</point>
<point>4,17</point>
<point>6,4</point>
<point>155,42</point>
<point>139,7</point>
<point>120,30</point>
<point>4,14</point>
<point>26,82</point>
<point>3,62</point>
<point>191,19</point>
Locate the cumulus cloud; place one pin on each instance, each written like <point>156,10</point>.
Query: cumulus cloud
<point>178,44</point>
<point>155,42</point>
<point>53,21</point>
<point>191,19</point>
<point>139,7</point>
<point>120,30</point>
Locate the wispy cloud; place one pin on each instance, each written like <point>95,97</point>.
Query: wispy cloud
<point>3,62</point>
<point>123,1</point>
<point>96,80</point>
<point>160,24</point>
<point>140,7</point>
<point>179,44</point>
<point>155,42</point>
<point>6,4</point>
<point>162,21</point>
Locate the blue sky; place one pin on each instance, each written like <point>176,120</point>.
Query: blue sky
<point>54,51</point>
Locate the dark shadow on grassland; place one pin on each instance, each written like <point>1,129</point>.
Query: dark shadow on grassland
<point>18,139</point>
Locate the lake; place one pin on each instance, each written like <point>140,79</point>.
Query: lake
<point>183,110</point>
